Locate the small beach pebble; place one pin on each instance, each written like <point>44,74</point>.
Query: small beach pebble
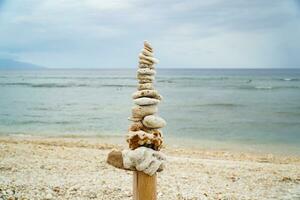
<point>49,196</point>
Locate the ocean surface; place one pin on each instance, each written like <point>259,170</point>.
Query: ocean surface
<point>218,108</point>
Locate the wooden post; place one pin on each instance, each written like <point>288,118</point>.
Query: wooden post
<point>144,186</point>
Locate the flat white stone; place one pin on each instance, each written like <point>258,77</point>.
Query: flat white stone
<point>145,77</point>
<point>153,121</point>
<point>144,61</point>
<point>145,101</point>
<point>146,93</point>
<point>143,65</point>
<point>143,81</point>
<point>146,71</point>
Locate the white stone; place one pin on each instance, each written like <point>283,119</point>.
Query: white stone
<point>153,121</point>
<point>143,65</point>
<point>135,119</point>
<point>145,86</point>
<point>146,71</point>
<point>144,159</point>
<point>147,62</point>
<point>49,196</point>
<point>146,93</point>
<point>141,111</point>
<point>147,53</point>
<point>145,101</point>
<point>145,77</point>
<point>148,45</point>
<point>148,58</point>
<point>145,81</point>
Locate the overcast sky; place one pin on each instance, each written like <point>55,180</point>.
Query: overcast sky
<point>194,33</point>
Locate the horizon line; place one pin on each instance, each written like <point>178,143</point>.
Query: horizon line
<point>168,67</point>
<point>175,68</point>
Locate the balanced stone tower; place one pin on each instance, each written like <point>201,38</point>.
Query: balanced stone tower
<point>144,135</point>
<point>144,131</point>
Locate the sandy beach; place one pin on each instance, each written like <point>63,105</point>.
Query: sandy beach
<point>75,168</point>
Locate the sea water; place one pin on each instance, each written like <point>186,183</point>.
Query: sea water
<point>250,107</point>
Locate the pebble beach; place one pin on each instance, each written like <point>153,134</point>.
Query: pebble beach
<point>75,168</point>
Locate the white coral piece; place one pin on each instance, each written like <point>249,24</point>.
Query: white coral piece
<point>144,159</point>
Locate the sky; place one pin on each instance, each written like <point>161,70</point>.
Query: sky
<point>187,34</point>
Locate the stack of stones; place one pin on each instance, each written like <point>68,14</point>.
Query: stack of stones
<point>144,130</point>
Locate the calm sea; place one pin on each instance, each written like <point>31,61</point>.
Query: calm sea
<point>255,108</point>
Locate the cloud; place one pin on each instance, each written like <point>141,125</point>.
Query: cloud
<point>109,33</point>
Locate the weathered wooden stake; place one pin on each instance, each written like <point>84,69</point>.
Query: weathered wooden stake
<point>144,186</point>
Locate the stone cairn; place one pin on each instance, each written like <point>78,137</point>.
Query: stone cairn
<point>144,130</point>
<point>144,137</point>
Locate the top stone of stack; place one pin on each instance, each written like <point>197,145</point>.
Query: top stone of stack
<point>146,57</point>
<point>146,72</point>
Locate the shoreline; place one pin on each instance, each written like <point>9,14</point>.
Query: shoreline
<point>68,168</point>
<point>118,142</point>
<point>171,142</point>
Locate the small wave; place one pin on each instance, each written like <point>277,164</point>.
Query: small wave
<point>21,134</point>
<point>32,122</point>
<point>41,108</point>
<point>34,116</point>
<point>268,87</point>
<point>191,78</point>
<point>45,122</point>
<point>66,85</point>
<point>296,114</point>
<point>79,77</point>
<point>95,118</point>
<point>54,85</point>
<point>44,85</point>
<point>218,105</point>
<point>263,87</point>
<point>289,79</point>
<point>116,85</point>
<point>64,122</point>
<point>15,84</point>
<point>165,81</point>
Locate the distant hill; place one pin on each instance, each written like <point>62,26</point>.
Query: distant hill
<point>9,64</point>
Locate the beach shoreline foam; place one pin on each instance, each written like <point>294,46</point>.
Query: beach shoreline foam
<point>68,168</point>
